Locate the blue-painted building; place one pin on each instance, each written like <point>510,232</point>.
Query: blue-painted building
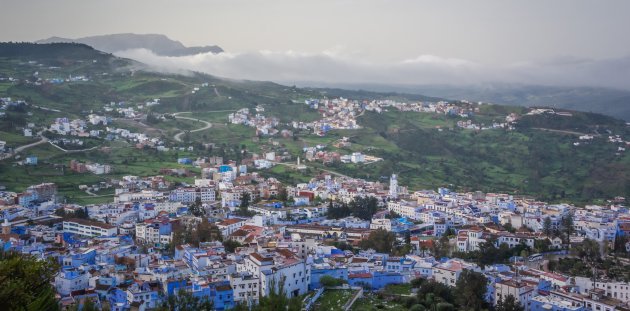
<point>25,199</point>
<point>76,259</point>
<point>375,280</point>
<point>117,299</point>
<point>30,160</point>
<point>316,274</point>
<point>225,168</point>
<point>184,161</point>
<point>220,293</point>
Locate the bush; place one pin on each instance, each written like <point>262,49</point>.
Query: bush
<point>443,306</point>
<point>329,281</point>
<point>410,301</point>
<point>417,307</point>
<point>416,283</point>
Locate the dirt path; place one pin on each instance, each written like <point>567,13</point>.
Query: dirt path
<point>563,131</point>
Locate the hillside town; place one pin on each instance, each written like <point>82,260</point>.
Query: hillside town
<point>233,235</point>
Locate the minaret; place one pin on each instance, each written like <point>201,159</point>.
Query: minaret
<point>393,187</point>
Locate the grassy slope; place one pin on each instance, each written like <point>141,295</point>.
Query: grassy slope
<point>427,150</point>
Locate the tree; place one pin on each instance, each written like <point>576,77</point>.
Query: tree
<point>587,250</point>
<point>542,245</point>
<point>379,240</point>
<point>329,281</point>
<point>207,232</point>
<point>364,207</point>
<point>231,245</point>
<point>407,238</point>
<point>338,211</point>
<point>508,227</point>
<point>185,301</point>
<point>547,229</point>
<point>84,305</point>
<point>508,303</point>
<point>180,236</point>
<point>196,209</point>
<point>442,247</point>
<point>620,243</point>
<point>431,291</point>
<point>444,306</point>
<point>567,226</point>
<point>471,288</point>
<point>26,282</point>
<point>243,208</point>
<point>276,299</point>
<point>449,232</point>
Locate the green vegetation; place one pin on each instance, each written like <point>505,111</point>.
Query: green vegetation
<point>524,161</point>
<point>426,150</point>
<point>588,259</point>
<point>372,302</point>
<point>361,207</point>
<point>398,289</point>
<point>333,299</point>
<point>329,281</point>
<point>185,301</point>
<point>26,282</point>
<point>431,295</point>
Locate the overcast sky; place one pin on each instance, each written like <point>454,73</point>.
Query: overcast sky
<point>555,42</point>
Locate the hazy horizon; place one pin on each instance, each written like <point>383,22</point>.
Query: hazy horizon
<point>564,43</point>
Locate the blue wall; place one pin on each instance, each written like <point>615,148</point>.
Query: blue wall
<point>316,274</point>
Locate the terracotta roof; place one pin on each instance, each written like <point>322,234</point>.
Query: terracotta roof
<point>230,221</point>
<point>360,276</point>
<point>260,257</point>
<point>86,222</point>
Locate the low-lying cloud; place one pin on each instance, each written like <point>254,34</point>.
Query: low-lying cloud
<point>291,67</point>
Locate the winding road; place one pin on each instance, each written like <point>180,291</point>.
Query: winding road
<point>178,136</point>
<point>17,150</point>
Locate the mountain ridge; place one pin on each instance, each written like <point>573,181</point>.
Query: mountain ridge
<point>158,43</point>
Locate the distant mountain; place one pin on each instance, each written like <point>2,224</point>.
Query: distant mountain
<point>159,44</point>
<point>612,102</point>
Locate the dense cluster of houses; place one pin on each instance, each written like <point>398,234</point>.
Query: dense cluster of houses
<point>263,125</point>
<point>119,255</point>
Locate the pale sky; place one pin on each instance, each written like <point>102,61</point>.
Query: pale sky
<point>498,34</point>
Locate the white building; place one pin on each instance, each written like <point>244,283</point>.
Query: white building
<point>393,187</point>
<point>279,266</point>
<point>246,288</point>
<point>156,233</point>
<point>381,223</point>
<point>190,195</point>
<point>69,280</point>
<point>447,273</point>
<point>521,291</point>
<point>88,228</point>
<point>407,209</point>
<point>228,226</point>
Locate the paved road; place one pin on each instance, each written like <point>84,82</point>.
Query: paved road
<point>178,136</point>
<point>22,148</point>
<point>41,141</point>
<point>72,151</point>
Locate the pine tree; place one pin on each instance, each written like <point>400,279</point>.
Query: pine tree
<point>547,229</point>
<point>508,303</point>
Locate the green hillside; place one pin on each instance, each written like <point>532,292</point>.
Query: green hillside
<point>538,157</point>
